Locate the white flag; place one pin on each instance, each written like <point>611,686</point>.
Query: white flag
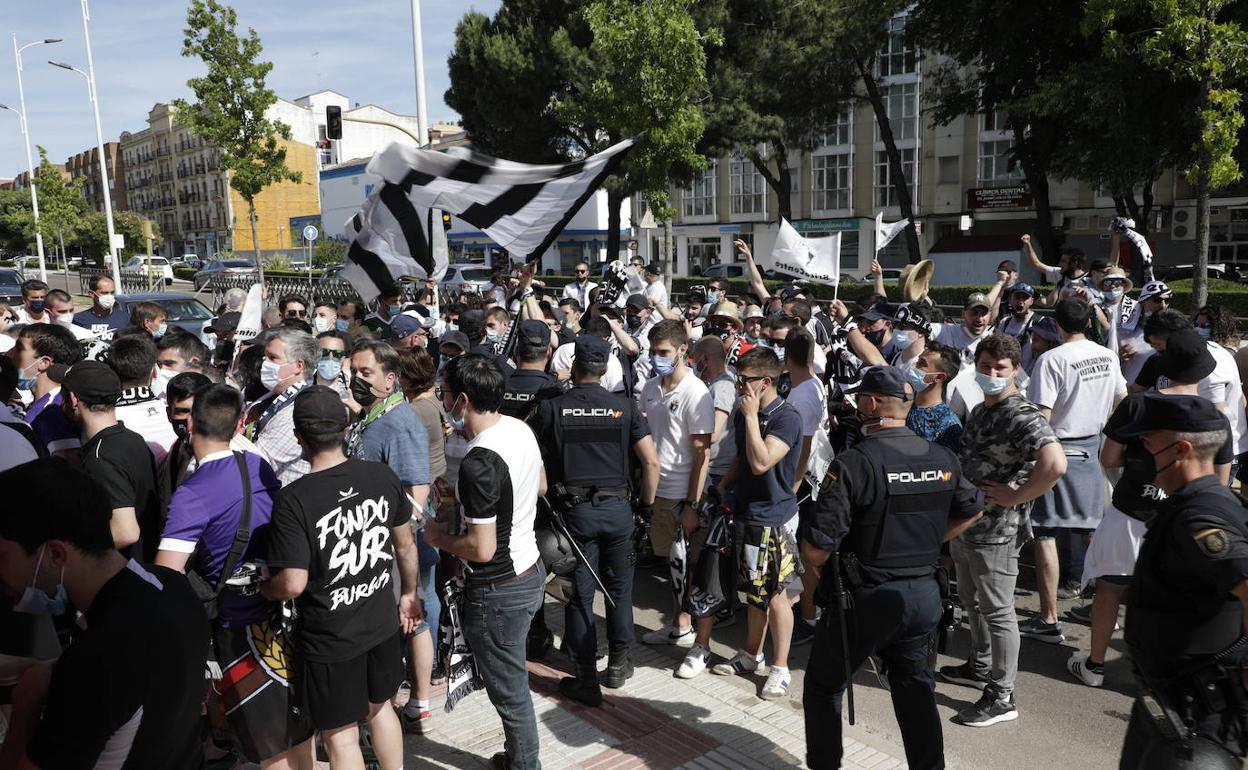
<point>812,259</point>
<point>251,320</point>
<point>884,234</point>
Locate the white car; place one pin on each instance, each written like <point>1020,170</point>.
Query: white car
<point>160,269</point>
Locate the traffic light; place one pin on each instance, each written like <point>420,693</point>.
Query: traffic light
<point>446,221</point>
<point>333,122</point>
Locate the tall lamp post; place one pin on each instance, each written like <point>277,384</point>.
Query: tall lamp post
<point>99,141</point>
<point>30,159</point>
<point>418,53</point>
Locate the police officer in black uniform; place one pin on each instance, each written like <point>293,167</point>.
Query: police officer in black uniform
<point>529,383</point>
<point>884,509</point>
<point>1187,608</point>
<point>586,436</point>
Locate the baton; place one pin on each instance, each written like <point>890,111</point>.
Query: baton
<point>834,562</point>
<point>556,518</point>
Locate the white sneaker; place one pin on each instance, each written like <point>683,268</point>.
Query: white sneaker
<point>741,663</point>
<point>694,663</point>
<point>669,635</point>
<point>777,687</point>
<point>1078,666</point>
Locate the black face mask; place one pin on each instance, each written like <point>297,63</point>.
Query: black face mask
<point>876,337</point>
<point>362,392</point>
<point>181,430</point>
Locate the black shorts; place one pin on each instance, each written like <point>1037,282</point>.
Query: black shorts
<point>338,694</point>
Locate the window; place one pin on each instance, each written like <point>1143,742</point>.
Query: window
<point>747,188</point>
<point>698,200</point>
<point>994,163</point>
<point>901,104</point>
<point>885,193</point>
<point>703,252</point>
<point>948,169</point>
<point>830,181</point>
<point>896,57</point>
<point>993,121</point>
<point>838,133</point>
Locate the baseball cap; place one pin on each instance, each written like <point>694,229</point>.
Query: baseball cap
<point>881,310</point>
<point>319,409</point>
<point>1023,288</point>
<point>1154,289</point>
<point>977,299</point>
<point>637,301</point>
<point>1186,358</point>
<point>405,325</point>
<point>788,293</point>
<point>535,332</point>
<point>1008,265</point>
<point>1167,411</point>
<point>456,338</point>
<point>224,323</point>
<point>592,350</point>
<point>882,381</point>
<point>654,269</point>
<point>93,382</point>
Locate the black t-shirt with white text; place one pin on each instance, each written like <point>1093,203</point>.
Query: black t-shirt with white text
<point>336,524</point>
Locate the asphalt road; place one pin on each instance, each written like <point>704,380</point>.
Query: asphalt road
<point>1062,723</point>
<point>57,280</point>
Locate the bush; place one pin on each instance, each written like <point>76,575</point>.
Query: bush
<point>276,263</point>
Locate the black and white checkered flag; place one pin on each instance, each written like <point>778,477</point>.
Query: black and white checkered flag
<point>522,207</point>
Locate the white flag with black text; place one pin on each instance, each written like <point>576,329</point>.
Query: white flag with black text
<point>811,259</point>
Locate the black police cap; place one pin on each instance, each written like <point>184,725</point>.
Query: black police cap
<point>592,350</point>
<point>883,381</point>
<point>1182,414</point>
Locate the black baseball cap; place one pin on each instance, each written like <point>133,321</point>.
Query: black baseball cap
<point>1186,414</point>
<point>788,293</point>
<point>592,350</point>
<point>1186,358</point>
<point>226,322</point>
<point>880,310</point>
<point>93,382</point>
<point>654,269</point>
<point>319,409</point>
<point>883,381</point>
<point>638,301</point>
<point>456,338</point>
<point>535,332</point>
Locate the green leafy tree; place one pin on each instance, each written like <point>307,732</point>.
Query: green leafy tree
<point>1201,45</point>
<point>91,234</point>
<point>231,105</point>
<point>329,251</point>
<point>61,204</point>
<point>17,223</point>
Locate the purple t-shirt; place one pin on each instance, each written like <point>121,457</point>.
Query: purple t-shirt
<point>205,513</point>
<point>50,424</point>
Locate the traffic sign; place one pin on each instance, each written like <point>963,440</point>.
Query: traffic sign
<point>310,233</point>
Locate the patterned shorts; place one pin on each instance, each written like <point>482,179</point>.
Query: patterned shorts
<point>769,563</point>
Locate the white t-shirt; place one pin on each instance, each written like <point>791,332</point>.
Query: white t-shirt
<point>957,336</point>
<point>657,292</point>
<point>146,417</point>
<point>687,410</point>
<point>1223,388</point>
<point>1078,382</point>
<point>612,381</point>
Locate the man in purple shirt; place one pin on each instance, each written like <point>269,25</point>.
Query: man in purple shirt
<point>204,515</point>
<point>39,348</point>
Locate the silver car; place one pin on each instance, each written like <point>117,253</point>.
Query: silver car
<point>222,267</point>
<point>469,277</point>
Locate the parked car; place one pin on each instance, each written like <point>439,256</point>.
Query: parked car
<point>726,270</point>
<point>193,263</point>
<point>1219,270</point>
<point>11,286</point>
<point>222,267</point>
<point>462,278</point>
<point>158,268</point>
<point>184,311</point>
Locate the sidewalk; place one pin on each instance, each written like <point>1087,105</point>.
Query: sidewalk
<point>655,721</point>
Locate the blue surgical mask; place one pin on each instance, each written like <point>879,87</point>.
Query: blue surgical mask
<point>901,340</point>
<point>991,385</point>
<point>27,383</point>
<point>160,330</point>
<point>36,601</point>
<point>342,325</point>
<point>456,422</point>
<point>394,310</point>
<point>663,366</point>
<point>1204,332</point>
<point>329,368</point>
<point>712,297</point>
<point>1113,296</point>
<point>917,381</point>
<point>493,338</point>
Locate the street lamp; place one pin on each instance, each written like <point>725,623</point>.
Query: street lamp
<point>99,141</point>
<point>30,161</point>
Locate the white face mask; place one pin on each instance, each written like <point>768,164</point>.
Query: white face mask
<point>107,301</point>
<point>270,376</point>
<point>161,383</point>
<point>65,319</point>
<point>322,325</point>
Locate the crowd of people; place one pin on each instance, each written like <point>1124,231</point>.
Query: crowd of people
<point>278,543</point>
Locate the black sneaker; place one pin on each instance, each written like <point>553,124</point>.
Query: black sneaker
<point>1035,628</point>
<point>803,632</point>
<point>581,690</point>
<point>988,710</point>
<point>1081,614</point>
<point>964,675</point>
<point>619,670</point>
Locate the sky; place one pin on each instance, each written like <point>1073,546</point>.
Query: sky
<point>360,48</point>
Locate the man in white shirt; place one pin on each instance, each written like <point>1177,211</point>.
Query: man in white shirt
<point>580,288</point>
<point>1068,274</point>
<point>681,414</point>
<point>60,307</point>
<point>655,290</point>
<point>33,309</point>
<point>1076,385</point>
<point>564,355</point>
<point>975,326</point>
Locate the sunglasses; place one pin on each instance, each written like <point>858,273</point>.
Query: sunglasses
<point>1112,284</point>
<point>743,379</point>
<point>328,353</point>
<point>296,314</point>
<point>582,272</point>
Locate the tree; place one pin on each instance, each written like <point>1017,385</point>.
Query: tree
<point>61,204</point>
<point>1201,44</point>
<point>17,223</point>
<point>91,234</point>
<point>231,107</point>
<point>550,80</point>
<point>329,251</point>
<point>777,101</point>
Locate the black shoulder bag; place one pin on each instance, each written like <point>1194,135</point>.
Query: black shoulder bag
<point>207,594</point>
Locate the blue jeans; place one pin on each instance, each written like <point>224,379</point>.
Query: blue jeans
<point>496,620</point>
<point>603,528</point>
<point>428,556</point>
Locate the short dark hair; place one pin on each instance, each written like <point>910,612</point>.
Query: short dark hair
<point>94,283</point>
<point>216,411</point>
<point>71,506</point>
<point>587,369</point>
<point>54,341</point>
<point>948,360</point>
<point>498,313</point>
<point>322,441</point>
<point>799,346</point>
<point>384,352</point>
<point>33,284</point>
<point>289,298</point>
<point>801,310</point>
<point>1074,255</point>
<point>1000,346</point>
<point>184,385</point>
<point>528,352</point>
<point>669,331</point>
<point>389,290</point>
<point>297,323</point>
<point>417,366</point>
<point>571,302</point>
<point>1163,323</point>
<point>781,322</point>
<point>346,338</point>
<point>762,361</point>
<point>597,326</point>
<point>60,295</point>
<point>355,309</point>
<point>329,303</point>
<point>187,346</point>
<point>133,358</point>
<point>146,311</point>
<point>477,377</point>
<point>1072,314</point>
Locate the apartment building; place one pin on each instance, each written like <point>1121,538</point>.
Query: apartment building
<point>86,165</point>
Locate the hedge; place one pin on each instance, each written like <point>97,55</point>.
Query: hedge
<point>187,273</point>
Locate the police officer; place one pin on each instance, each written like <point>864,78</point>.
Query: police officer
<point>529,383</point>
<point>884,508</point>
<point>586,437</point>
<point>1186,610</point>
